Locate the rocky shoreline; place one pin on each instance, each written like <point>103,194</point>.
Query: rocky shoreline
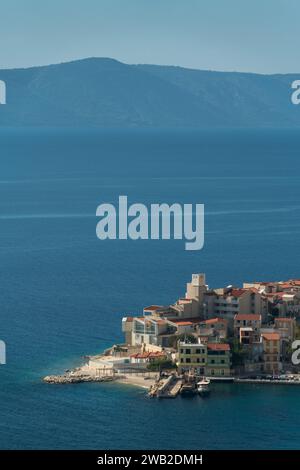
<point>72,379</point>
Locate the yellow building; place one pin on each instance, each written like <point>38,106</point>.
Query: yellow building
<point>218,360</point>
<point>271,352</point>
<point>191,356</point>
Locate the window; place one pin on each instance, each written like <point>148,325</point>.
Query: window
<point>187,351</point>
<point>188,360</point>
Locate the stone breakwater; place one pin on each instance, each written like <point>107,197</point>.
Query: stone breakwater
<point>72,379</point>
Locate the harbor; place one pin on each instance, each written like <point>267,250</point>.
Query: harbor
<point>184,348</point>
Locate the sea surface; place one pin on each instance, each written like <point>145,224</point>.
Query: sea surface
<point>63,292</point>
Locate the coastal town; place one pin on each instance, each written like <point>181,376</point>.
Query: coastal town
<point>211,334</point>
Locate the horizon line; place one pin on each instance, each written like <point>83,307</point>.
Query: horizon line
<point>145,64</point>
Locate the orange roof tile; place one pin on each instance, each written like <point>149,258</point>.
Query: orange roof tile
<point>153,307</point>
<point>214,320</point>
<point>247,316</point>
<point>271,336</point>
<point>159,322</point>
<point>237,292</point>
<point>218,346</point>
<point>146,355</point>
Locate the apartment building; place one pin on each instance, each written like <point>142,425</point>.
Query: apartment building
<point>283,297</point>
<point>286,327</point>
<point>215,327</point>
<point>286,303</point>
<point>213,359</point>
<point>151,331</point>
<point>184,327</point>
<point>191,356</point>
<point>250,323</point>
<point>247,336</point>
<point>218,361</point>
<point>231,301</point>
<point>271,352</point>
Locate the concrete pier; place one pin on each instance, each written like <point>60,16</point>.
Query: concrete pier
<point>266,381</point>
<point>167,388</point>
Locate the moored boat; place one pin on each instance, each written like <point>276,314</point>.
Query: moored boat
<point>188,389</point>
<point>203,387</point>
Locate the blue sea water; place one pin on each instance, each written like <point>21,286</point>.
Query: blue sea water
<point>63,292</point>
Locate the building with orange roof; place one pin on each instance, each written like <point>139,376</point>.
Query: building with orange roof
<point>250,325</point>
<point>152,331</point>
<point>286,326</point>
<point>212,359</point>
<point>214,327</point>
<point>210,313</point>
<point>147,357</point>
<point>287,303</point>
<point>218,362</point>
<point>283,296</point>
<point>271,352</point>
<point>231,301</point>
<point>186,326</point>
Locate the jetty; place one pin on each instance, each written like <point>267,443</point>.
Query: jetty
<point>72,379</point>
<point>168,387</point>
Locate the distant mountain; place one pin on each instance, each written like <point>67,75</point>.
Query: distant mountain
<point>102,92</point>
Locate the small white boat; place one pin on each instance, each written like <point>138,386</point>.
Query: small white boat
<point>203,387</point>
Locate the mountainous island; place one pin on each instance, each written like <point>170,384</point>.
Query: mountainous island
<point>103,92</point>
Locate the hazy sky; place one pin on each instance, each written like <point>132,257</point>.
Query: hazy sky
<point>244,35</point>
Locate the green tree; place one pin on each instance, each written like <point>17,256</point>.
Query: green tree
<point>191,339</point>
<point>238,352</point>
<point>161,364</point>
